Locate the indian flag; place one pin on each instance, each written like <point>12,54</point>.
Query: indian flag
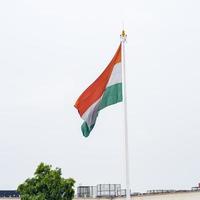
<point>104,91</point>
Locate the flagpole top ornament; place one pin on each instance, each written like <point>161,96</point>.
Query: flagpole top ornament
<point>123,36</point>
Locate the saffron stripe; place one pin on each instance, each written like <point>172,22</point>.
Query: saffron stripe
<point>96,89</point>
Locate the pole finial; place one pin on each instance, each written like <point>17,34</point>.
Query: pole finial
<point>123,35</point>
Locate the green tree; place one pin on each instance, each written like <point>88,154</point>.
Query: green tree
<point>47,184</point>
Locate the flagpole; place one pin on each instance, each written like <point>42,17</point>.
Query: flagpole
<point>123,40</point>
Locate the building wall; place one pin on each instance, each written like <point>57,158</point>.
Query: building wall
<point>9,198</point>
<point>172,196</point>
<point>175,196</point>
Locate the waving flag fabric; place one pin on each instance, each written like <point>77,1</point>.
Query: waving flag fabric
<point>104,91</point>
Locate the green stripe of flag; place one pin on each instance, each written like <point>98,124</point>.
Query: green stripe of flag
<point>112,95</point>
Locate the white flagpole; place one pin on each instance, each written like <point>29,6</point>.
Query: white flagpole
<point>123,40</point>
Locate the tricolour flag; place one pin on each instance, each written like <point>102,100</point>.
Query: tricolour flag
<point>104,91</point>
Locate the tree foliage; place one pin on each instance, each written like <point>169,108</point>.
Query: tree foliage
<point>47,184</point>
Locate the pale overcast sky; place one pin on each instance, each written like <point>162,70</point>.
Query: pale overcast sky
<point>50,51</point>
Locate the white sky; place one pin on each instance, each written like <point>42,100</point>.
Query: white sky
<point>50,51</point>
